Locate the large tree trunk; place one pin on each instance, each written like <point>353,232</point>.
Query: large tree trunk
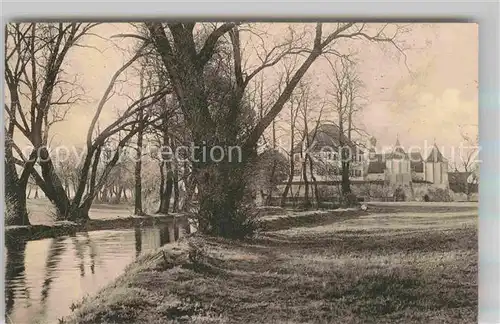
<point>346,183</point>
<point>166,190</point>
<point>54,190</point>
<point>16,212</point>
<point>224,201</point>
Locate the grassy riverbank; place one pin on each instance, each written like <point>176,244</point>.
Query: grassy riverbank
<point>379,268</point>
<point>102,217</point>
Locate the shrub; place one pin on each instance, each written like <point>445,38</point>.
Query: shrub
<point>439,194</point>
<point>375,190</point>
<point>350,200</point>
<point>327,192</point>
<point>399,194</point>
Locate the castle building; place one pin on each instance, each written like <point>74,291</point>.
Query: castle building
<point>436,168</point>
<point>396,168</point>
<point>324,146</point>
<point>401,168</point>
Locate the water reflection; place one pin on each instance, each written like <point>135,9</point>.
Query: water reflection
<point>56,249</point>
<point>164,235</point>
<point>44,277</point>
<point>138,240</point>
<point>14,273</point>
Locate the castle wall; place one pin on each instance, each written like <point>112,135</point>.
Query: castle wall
<point>437,173</point>
<point>375,176</point>
<point>444,174</point>
<point>399,179</point>
<point>429,171</point>
<point>388,166</point>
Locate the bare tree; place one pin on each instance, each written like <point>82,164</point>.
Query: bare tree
<point>93,176</point>
<point>294,106</point>
<point>345,94</point>
<point>310,136</point>
<point>221,186</point>
<point>138,163</point>
<point>307,108</point>
<point>468,161</point>
<point>39,95</point>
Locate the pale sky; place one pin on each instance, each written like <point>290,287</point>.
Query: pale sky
<point>429,104</point>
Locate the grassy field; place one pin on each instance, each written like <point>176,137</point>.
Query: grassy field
<point>396,267</point>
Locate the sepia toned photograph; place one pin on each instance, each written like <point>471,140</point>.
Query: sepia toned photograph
<point>241,172</point>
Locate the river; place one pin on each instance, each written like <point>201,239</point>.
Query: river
<point>43,278</point>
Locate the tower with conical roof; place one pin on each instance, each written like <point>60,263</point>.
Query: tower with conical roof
<point>436,167</point>
<point>398,165</point>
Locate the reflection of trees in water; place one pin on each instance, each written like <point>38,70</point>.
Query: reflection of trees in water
<point>172,231</point>
<point>182,228</point>
<point>164,234</point>
<point>80,248</point>
<point>56,249</point>
<point>79,253</point>
<point>14,271</point>
<point>176,226</point>
<point>138,240</point>
<point>92,250</point>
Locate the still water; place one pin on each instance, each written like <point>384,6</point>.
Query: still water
<point>45,277</point>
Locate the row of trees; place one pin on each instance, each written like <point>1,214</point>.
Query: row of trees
<point>196,86</point>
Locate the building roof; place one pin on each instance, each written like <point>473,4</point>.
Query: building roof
<point>328,135</point>
<point>377,162</point>
<point>435,155</point>
<point>398,153</point>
